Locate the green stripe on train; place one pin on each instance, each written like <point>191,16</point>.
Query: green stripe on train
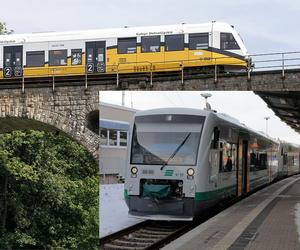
<point>125,193</point>
<point>202,196</point>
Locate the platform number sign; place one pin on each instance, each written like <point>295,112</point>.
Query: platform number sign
<point>90,68</point>
<point>8,72</point>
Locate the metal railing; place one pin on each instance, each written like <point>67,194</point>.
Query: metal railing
<point>258,62</point>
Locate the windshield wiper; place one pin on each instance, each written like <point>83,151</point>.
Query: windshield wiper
<point>175,152</point>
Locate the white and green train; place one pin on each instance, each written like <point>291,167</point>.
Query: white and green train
<point>182,161</point>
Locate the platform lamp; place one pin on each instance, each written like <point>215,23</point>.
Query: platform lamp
<point>206,96</point>
<point>267,118</point>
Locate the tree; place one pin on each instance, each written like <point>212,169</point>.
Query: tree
<point>49,191</point>
<point>4,30</point>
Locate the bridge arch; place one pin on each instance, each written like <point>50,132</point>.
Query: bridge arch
<point>63,111</point>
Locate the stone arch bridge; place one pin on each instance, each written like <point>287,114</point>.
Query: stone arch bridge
<point>71,110</point>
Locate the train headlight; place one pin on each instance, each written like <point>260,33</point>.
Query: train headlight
<point>134,170</point>
<point>190,172</point>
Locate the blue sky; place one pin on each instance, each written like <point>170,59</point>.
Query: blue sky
<point>266,26</point>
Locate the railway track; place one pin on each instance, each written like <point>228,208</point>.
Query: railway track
<point>144,236</point>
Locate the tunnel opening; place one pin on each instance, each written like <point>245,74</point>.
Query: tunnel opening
<point>93,121</point>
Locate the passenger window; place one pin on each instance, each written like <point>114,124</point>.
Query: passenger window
<point>113,135</point>
<point>174,42</point>
<point>198,41</point>
<point>76,55</point>
<point>123,138</point>
<point>228,42</point>
<point>150,44</point>
<point>7,59</point>
<point>35,59</point>
<point>103,136</point>
<point>127,45</point>
<point>57,57</point>
<point>228,161</point>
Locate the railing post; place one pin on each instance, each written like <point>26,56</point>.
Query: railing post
<point>23,85</point>
<point>53,83</point>
<point>249,70</point>
<point>182,79</point>
<point>86,83</point>
<point>216,71</point>
<point>283,75</point>
<point>151,76</point>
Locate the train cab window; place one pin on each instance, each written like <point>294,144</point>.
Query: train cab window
<point>35,59</point>
<point>228,42</point>
<point>58,57</point>
<point>123,138</point>
<point>174,42</point>
<point>76,55</point>
<point>198,41</point>
<point>150,44</point>
<point>127,45</point>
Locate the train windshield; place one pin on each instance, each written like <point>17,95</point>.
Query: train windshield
<point>166,139</point>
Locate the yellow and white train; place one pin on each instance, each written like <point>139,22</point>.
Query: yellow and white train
<point>124,50</point>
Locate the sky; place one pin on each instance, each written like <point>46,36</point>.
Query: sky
<point>265,25</point>
<point>247,107</point>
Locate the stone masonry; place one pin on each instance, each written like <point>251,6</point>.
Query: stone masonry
<point>66,110</point>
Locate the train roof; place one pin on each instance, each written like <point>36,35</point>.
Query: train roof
<point>200,112</point>
<point>115,32</point>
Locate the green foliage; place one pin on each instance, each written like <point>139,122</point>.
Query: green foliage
<point>4,30</point>
<point>48,193</point>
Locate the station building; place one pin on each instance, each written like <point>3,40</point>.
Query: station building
<point>114,133</point>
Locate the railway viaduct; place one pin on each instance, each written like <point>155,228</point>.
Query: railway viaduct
<point>255,81</point>
<point>71,110</point>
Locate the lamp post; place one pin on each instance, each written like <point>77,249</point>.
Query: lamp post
<point>206,96</point>
<point>267,118</point>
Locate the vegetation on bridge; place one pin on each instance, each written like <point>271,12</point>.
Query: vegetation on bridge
<point>48,193</point>
<point>4,30</point>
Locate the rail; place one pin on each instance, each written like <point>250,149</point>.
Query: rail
<point>257,63</point>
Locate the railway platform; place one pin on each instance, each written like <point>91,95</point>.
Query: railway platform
<point>267,219</point>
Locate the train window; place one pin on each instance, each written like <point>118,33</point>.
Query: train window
<point>127,45</point>
<point>57,57</point>
<point>7,59</point>
<point>228,42</point>
<point>113,137</point>
<point>76,55</point>
<point>103,136</point>
<point>35,58</point>
<point>228,157</point>
<point>174,42</point>
<point>123,138</point>
<point>150,44</point>
<point>198,41</point>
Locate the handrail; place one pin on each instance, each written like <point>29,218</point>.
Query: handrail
<point>256,62</point>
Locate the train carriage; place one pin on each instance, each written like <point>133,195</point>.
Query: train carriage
<point>125,50</point>
<point>182,161</point>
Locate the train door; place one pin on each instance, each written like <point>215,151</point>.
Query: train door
<point>244,166</point>
<point>242,171</point>
<point>13,61</point>
<point>95,57</point>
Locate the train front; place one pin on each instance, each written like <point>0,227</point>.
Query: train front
<point>162,164</point>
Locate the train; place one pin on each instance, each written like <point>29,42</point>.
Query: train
<point>123,50</point>
<point>183,161</point>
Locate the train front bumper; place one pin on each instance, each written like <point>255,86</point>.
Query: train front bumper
<point>161,209</point>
